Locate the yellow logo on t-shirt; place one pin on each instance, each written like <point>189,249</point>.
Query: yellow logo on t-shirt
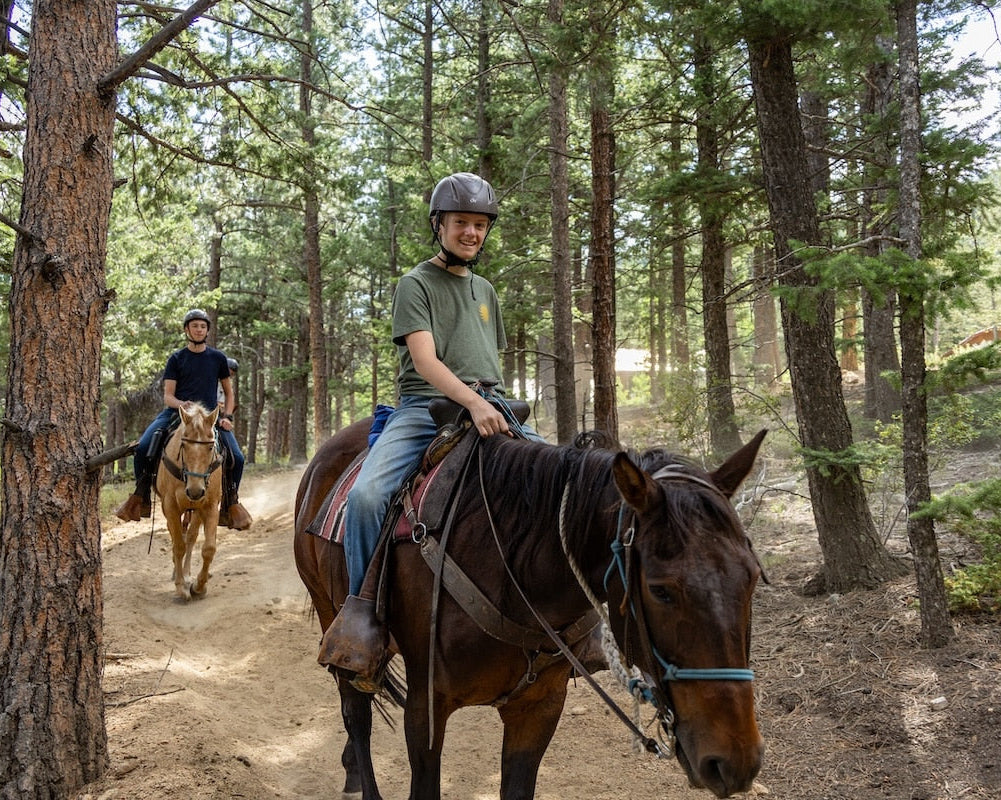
<point>484,312</point>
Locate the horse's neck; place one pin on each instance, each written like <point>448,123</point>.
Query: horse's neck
<point>586,536</point>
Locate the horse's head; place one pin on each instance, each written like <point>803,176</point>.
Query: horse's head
<point>681,611</point>
<point>198,453</point>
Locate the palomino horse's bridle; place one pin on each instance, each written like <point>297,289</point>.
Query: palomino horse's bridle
<point>181,472</point>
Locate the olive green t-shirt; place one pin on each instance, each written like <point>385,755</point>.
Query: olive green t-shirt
<point>461,313</point>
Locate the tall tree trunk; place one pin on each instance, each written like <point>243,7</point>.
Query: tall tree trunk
<point>882,399</point>
<point>52,728</point>
<point>484,123</point>
<point>601,92</point>
<point>766,359</point>
<point>427,88</point>
<point>936,626</point>
<point>257,391</point>
<point>854,556</point>
<point>659,293</point>
<point>680,351</point>
<point>298,386</point>
<point>215,278</point>
<point>311,239</point>
<point>722,415</point>
<point>583,338</point>
<point>849,331</point>
<point>559,190</point>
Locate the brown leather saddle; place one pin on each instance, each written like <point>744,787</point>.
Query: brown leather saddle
<point>423,501</point>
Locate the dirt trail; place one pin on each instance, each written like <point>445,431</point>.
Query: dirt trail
<point>222,697</point>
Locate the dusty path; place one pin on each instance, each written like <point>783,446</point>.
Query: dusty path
<point>222,697</point>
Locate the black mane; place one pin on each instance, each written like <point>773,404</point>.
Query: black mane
<point>525,482</point>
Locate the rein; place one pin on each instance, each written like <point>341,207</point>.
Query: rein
<point>649,744</point>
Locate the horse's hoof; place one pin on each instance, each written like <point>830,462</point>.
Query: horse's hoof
<point>198,593</point>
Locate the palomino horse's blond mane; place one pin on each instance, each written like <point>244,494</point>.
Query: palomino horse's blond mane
<point>190,480</point>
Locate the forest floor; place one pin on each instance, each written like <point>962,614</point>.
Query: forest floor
<point>223,698</point>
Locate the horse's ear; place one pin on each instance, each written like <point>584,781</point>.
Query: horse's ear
<point>636,487</point>
<point>214,415</point>
<point>730,475</point>
<point>185,416</point>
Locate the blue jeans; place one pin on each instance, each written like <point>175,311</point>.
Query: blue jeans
<point>396,453</point>
<point>145,469</point>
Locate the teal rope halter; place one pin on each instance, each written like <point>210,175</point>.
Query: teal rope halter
<point>671,671</point>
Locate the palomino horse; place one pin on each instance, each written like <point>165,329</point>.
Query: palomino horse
<point>189,483</point>
<point>655,538</point>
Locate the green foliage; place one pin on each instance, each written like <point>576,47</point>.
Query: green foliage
<point>973,510</point>
<point>980,364</point>
<point>840,465</point>
<point>208,158</point>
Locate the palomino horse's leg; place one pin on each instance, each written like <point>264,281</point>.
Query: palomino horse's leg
<point>208,549</point>
<point>529,724</point>
<point>356,711</point>
<point>189,523</point>
<point>178,541</point>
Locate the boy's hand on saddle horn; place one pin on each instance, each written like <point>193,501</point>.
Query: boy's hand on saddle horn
<point>487,419</point>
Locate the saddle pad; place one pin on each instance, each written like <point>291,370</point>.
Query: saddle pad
<point>331,513</point>
<point>329,521</point>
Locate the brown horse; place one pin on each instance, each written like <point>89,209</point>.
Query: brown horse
<point>657,539</point>
<point>189,483</point>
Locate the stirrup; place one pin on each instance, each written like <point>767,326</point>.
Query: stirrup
<point>355,641</point>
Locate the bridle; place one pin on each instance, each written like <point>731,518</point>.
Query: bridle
<point>181,472</point>
<point>622,564</point>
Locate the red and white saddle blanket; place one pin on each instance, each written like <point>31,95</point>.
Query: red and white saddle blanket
<point>430,493</point>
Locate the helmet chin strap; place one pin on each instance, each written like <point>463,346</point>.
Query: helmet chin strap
<point>451,259</point>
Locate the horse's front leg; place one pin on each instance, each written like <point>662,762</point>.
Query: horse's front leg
<point>424,754</point>
<point>178,543</point>
<point>189,524</point>
<point>210,525</point>
<point>529,724</point>
<point>356,712</point>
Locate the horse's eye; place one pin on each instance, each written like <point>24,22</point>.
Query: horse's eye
<point>662,593</point>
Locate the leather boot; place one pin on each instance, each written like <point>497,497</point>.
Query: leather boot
<point>356,641</point>
<point>134,508</point>
<point>237,517</point>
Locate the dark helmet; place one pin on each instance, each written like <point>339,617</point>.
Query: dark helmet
<point>197,313</point>
<point>234,365</point>
<point>463,191</point>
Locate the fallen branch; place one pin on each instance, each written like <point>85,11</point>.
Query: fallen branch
<point>108,456</point>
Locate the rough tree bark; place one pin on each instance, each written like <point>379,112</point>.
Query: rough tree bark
<point>854,556</point>
<point>722,414</point>
<point>52,728</point>
<point>936,625</point>
<point>601,91</point>
<point>559,181</point>
<point>882,399</point>
<point>311,239</point>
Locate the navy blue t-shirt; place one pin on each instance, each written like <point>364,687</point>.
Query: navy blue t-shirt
<point>197,374</point>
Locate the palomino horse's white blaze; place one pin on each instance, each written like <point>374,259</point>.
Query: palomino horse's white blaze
<point>190,480</point>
